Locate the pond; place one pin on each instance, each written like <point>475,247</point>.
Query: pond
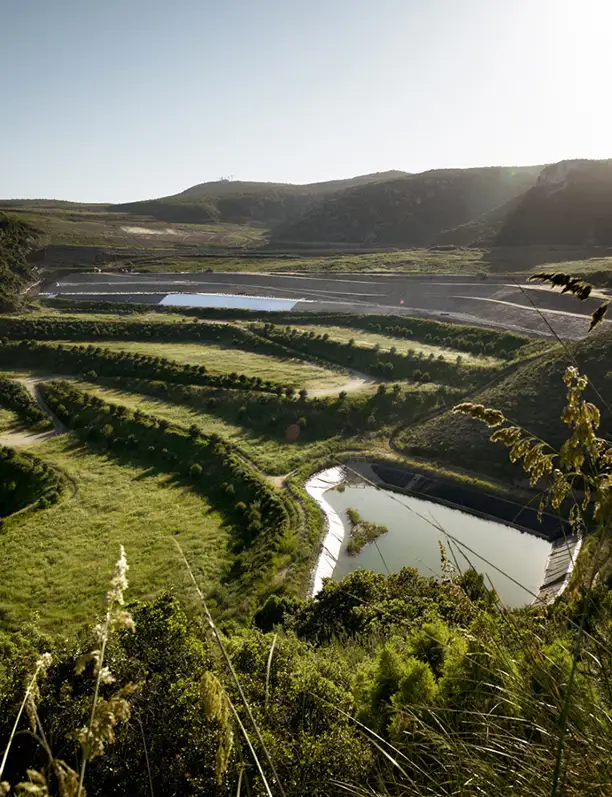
<point>413,540</point>
<point>228,300</point>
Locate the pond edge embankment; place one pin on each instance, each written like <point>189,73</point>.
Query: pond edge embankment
<point>564,551</point>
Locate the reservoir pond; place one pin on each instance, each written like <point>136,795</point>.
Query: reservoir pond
<point>415,529</point>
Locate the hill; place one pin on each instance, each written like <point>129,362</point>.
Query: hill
<point>16,239</point>
<point>532,397</point>
<point>571,204</point>
<point>412,210</point>
<point>243,202</point>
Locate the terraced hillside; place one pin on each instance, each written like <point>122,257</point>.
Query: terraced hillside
<point>189,438</point>
<point>221,419</point>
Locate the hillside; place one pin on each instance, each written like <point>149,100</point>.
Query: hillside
<point>411,210</point>
<point>15,242</point>
<point>533,397</point>
<point>190,441</point>
<point>571,204</point>
<point>244,202</point>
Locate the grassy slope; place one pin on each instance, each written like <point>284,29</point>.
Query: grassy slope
<point>463,261</point>
<point>99,227</point>
<point>533,396</point>
<point>57,563</point>
<point>8,421</point>
<point>220,360</point>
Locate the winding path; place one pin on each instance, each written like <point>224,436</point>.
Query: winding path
<point>22,438</point>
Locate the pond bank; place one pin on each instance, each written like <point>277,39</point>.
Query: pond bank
<point>564,546</point>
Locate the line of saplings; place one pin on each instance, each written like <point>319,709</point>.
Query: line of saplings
<point>296,417</point>
<point>257,511</point>
<point>90,330</point>
<point>93,360</point>
<point>26,480</point>
<point>473,340</point>
<point>14,397</point>
<point>382,364</point>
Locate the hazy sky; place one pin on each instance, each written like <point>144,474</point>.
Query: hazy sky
<point>116,100</point>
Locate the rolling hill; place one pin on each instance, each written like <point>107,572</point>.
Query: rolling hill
<point>412,210</point>
<point>241,202</point>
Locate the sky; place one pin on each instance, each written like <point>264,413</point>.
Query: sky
<point>120,100</point>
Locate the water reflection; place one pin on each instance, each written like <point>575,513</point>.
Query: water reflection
<point>228,300</point>
<point>411,540</point>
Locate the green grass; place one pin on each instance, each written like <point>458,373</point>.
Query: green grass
<point>220,360</point>
<point>273,456</point>
<point>53,314</point>
<point>56,565</point>
<point>8,421</point>
<point>514,261</point>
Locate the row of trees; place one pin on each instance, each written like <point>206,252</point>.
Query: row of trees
<point>299,417</point>
<point>460,337</point>
<point>84,329</point>
<point>14,397</point>
<point>371,360</point>
<point>212,465</point>
<point>92,361</point>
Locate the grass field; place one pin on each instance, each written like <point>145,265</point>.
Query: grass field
<point>220,360</point>
<point>94,225</point>
<point>56,565</point>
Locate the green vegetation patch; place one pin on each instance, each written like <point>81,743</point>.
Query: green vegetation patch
<point>55,564</point>
<point>260,517</point>
<point>26,482</point>
<point>362,532</point>
<point>386,365</point>
<point>16,239</point>
<point>401,344</point>
<point>218,360</point>
<point>14,396</point>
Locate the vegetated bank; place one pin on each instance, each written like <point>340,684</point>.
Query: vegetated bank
<point>16,240</point>
<point>532,397</point>
<point>461,337</point>
<point>26,484</point>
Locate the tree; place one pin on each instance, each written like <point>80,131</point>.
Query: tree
<point>195,470</point>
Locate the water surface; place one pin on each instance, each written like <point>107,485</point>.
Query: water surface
<point>228,300</point>
<point>412,540</point>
